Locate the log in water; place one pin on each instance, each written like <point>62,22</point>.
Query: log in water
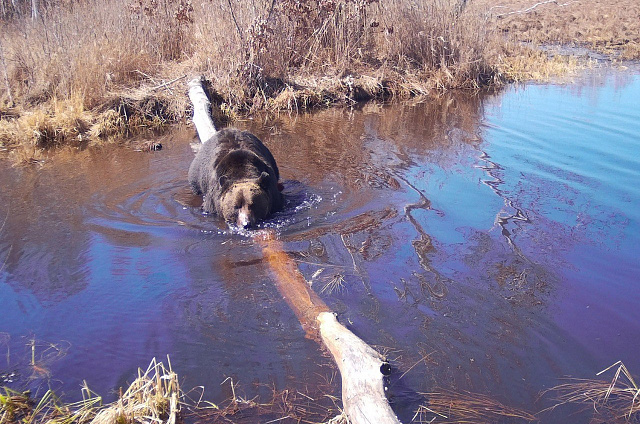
<point>363,395</point>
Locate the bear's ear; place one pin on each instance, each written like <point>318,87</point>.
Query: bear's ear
<point>263,180</point>
<point>223,181</point>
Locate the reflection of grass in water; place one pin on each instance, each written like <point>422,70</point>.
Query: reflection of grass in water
<point>447,406</point>
<point>4,341</point>
<point>616,401</point>
<point>39,358</point>
<point>4,263</point>
<point>43,354</point>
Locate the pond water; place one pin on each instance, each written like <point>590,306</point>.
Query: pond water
<point>485,243</point>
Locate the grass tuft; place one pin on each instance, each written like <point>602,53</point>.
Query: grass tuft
<point>615,401</point>
<point>154,396</point>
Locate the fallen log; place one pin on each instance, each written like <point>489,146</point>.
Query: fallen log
<point>361,367</point>
<point>201,110</point>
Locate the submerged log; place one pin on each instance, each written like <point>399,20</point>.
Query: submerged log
<point>361,367</point>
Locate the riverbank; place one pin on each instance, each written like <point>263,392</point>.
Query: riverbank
<point>88,72</point>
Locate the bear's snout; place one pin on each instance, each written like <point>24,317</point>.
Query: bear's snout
<point>244,204</point>
<point>245,220</point>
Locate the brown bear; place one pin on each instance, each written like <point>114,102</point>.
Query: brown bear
<point>238,178</point>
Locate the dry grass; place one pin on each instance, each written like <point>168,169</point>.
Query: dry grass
<point>63,122</point>
<point>534,64</point>
<point>260,54</point>
<point>611,27</point>
<point>119,64</point>
<point>448,407</point>
<point>289,405</point>
<point>615,401</point>
<point>78,71</point>
<point>17,407</point>
<point>154,396</point>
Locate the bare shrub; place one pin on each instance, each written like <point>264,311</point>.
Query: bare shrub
<point>257,49</point>
<point>91,48</point>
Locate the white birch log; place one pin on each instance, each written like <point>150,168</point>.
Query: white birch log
<point>363,396</point>
<point>201,110</point>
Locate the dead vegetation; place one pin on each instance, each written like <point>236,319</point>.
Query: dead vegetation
<point>446,406</point>
<point>86,70</point>
<point>614,401</point>
<point>79,72</point>
<point>155,396</point>
<point>289,405</point>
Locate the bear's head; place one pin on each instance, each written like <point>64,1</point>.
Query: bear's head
<point>245,202</point>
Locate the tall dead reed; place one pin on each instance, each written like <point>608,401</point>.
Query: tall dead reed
<point>96,47</point>
<point>435,43</point>
<point>89,48</point>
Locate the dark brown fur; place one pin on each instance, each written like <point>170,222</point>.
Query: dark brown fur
<point>238,178</point>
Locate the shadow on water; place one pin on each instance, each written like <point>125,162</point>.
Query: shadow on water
<point>484,243</point>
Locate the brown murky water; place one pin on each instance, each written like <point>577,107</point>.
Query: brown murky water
<point>485,243</point>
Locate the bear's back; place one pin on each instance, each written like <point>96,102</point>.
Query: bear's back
<point>234,139</point>
<point>214,156</point>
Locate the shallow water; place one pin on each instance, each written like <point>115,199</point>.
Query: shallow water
<point>495,237</point>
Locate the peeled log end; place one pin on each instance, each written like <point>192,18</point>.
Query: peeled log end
<point>363,395</point>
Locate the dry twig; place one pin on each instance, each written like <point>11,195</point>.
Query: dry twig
<point>531,8</point>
